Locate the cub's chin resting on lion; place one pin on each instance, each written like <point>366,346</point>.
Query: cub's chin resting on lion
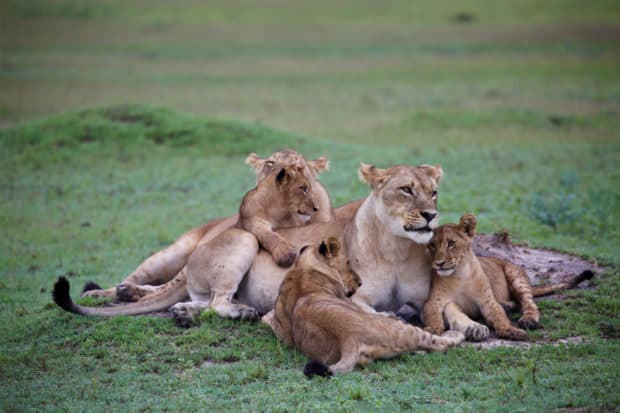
<point>314,314</point>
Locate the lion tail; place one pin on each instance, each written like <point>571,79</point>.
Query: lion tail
<point>316,368</point>
<point>170,294</point>
<point>538,291</point>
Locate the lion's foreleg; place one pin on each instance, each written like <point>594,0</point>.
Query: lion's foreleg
<point>459,321</point>
<point>495,315</point>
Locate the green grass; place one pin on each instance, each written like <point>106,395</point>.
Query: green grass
<point>90,194</point>
<point>521,106</point>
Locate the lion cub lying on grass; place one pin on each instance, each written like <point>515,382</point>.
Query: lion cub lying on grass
<point>314,314</point>
<point>282,199</point>
<point>466,286</point>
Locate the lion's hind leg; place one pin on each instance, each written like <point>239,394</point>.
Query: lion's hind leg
<point>215,270</point>
<point>521,290</point>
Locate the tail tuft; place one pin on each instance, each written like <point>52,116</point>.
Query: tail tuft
<point>61,295</point>
<point>316,368</point>
<point>90,286</point>
<point>586,275</point>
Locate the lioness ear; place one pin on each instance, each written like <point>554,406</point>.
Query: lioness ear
<point>372,175</point>
<point>319,165</point>
<point>468,224</point>
<point>433,172</point>
<point>255,161</point>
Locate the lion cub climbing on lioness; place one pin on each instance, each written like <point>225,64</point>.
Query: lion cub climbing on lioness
<point>465,286</point>
<point>314,314</point>
<point>282,199</point>
<point>288,203</point>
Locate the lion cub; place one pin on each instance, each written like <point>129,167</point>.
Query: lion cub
<point>314,314</point>
<point>281,200</point>
<point>461,288</point>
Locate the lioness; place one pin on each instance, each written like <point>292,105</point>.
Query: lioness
<point>282,199</point>
<point>170,262</point>
<point>313,314</point>
<point>468,286</point>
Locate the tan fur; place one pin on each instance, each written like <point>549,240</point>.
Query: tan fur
<point>314,314</point>
<point>461,289</point>
<point>282,199</point>
<point>166,264</point>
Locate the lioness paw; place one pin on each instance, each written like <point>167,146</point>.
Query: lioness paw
<point>128,293</point>
<point>477,332</point>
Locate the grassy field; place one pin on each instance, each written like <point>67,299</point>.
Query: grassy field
<point>519,101</point>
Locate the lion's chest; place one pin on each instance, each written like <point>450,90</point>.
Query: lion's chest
<point>388,285</point>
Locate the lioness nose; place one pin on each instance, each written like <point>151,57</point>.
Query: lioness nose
<point>428,215</point>
<point>315,208</point>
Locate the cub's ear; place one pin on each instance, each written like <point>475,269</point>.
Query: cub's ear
<point>281,176</point>
<point>468,224</point>
<point>433,172</point>
<point>372,175</point>
<point>255,161</point>
<point>318,165</point>
<point>329,248</point>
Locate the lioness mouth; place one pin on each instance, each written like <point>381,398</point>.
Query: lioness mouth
<point>423,229</point>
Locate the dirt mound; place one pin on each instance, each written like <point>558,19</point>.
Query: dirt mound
<point>541,265</point>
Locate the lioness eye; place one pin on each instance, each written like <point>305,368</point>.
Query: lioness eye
<point>406,190</point>
<point>304,189</point>
<point>451,244</point>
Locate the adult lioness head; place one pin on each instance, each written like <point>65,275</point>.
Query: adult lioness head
<point>406,199</point>
<point>450,243</point>
<point>263,167</point>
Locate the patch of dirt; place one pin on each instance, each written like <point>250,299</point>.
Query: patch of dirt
<point>541,265</point>
<point>493,342</point>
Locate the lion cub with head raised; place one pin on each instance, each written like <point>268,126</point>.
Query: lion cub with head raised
<point>461,288</point>
<point>281,200</point>
<point>314,314</point>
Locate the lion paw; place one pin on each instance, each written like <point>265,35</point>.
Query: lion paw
<point>128,292</point>
<point>246,313</point>
<point>284,255</point>
<point>512,334</point>
<point>457,336</point>
<point>183,315</point>
<point>477,332</point>
<point>528,323</point>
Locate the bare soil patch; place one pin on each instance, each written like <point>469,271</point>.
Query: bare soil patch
<point>541,265</point>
